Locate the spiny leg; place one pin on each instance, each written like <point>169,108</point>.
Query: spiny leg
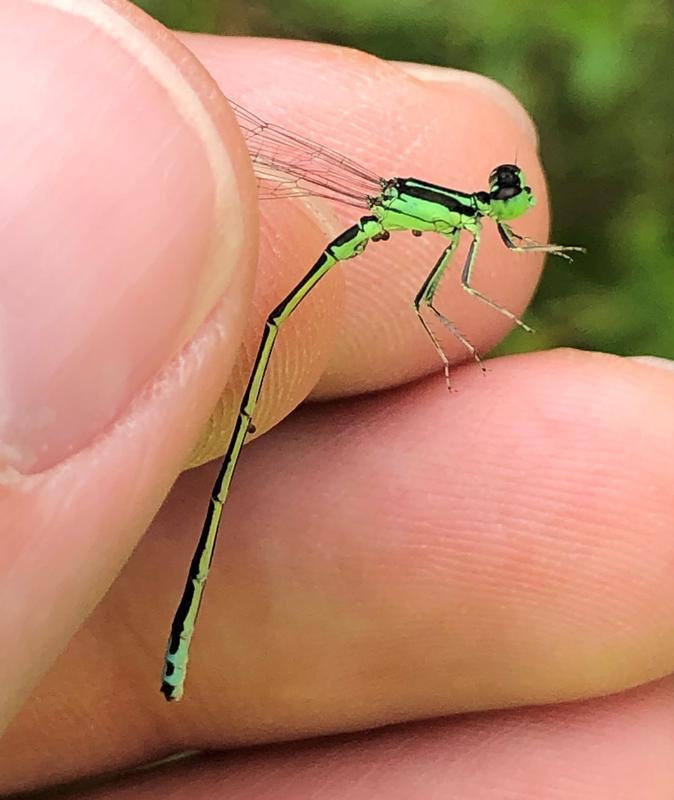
<point>510,239</point>
<point>460,336</point>
<point>425,297</point>
<point>467,274</point>
<point>438,347</point>
<point>349,244</point>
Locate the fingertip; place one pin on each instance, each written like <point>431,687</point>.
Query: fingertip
<point>488,87</point>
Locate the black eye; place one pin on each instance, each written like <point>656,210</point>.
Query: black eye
<point>506,175</point>
<point>508,178</point>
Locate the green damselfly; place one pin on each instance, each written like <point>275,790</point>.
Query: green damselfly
<point>290,165</point>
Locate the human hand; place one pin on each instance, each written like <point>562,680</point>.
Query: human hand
<point>386,558</point>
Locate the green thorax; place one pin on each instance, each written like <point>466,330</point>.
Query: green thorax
<point>411,204</point>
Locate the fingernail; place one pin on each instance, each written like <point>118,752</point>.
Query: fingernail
<point>116,185</point>
<point>654,361</point>
<point>499,94</point>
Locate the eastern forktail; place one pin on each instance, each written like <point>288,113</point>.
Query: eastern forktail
<point>290,165</point>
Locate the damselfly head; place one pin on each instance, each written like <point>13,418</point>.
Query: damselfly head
<point>509,193</point>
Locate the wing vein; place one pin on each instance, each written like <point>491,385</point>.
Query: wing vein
<point>291,165</point>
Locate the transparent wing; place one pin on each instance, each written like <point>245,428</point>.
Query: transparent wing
<point>290,165</point>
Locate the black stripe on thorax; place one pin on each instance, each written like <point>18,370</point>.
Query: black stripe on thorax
<point>459,202</point>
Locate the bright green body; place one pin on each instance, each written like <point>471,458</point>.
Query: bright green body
<point>402,205</point>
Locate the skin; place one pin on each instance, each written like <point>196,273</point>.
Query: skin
<point>387,558</point>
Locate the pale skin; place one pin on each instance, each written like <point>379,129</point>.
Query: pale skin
<point>386,558</point>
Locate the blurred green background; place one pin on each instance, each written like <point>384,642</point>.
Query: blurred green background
<point>597,78</point>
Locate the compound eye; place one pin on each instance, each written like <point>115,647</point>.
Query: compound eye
<point>508,176</point>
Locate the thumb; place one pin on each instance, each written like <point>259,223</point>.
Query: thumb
<point>126,214</point>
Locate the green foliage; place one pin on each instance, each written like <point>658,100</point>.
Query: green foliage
<point>203,16</point>
<point>596,77</point>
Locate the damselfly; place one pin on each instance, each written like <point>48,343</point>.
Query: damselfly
<point>290,165</point>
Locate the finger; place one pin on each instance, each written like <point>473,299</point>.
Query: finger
<point>498,93</point>
<point>497,548</point>
<point>598,750</point>
<point>114,254</point>
<point>394,558</point>
<point>616,747</point>
<point>452,133</point>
